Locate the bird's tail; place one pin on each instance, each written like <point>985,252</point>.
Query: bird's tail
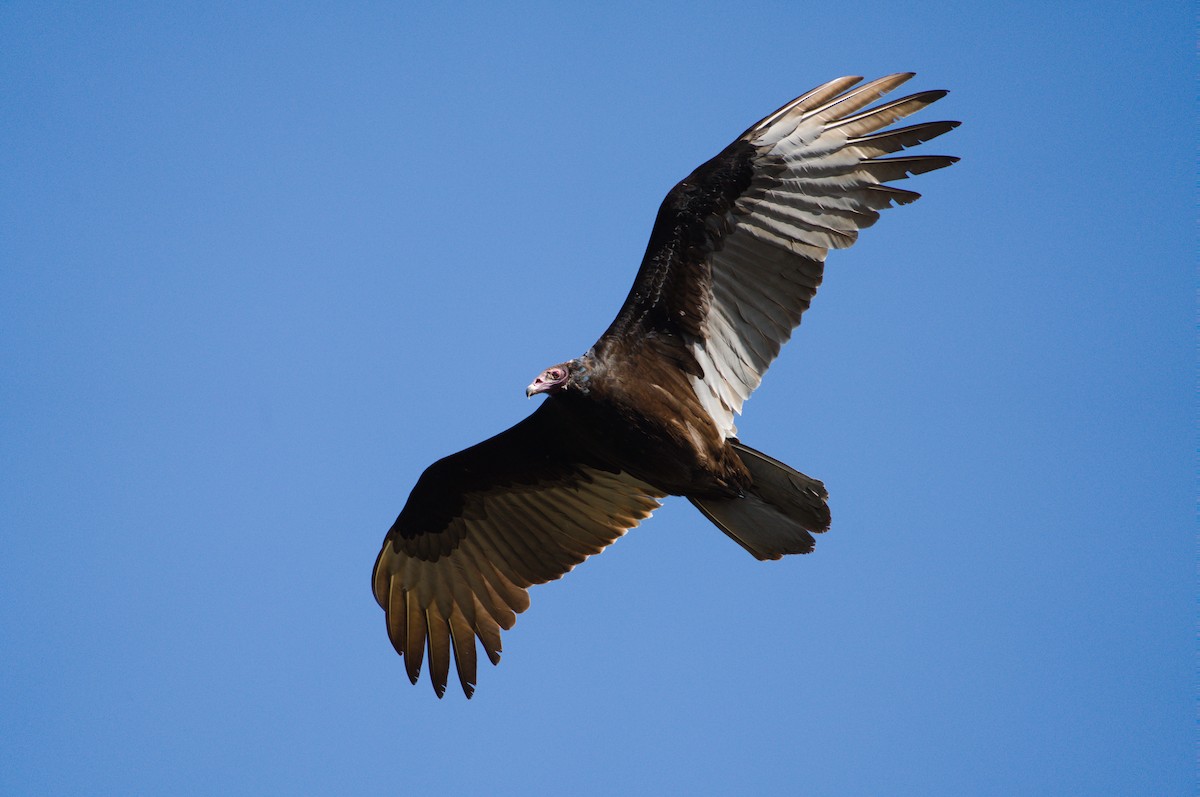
<point>778,515</point>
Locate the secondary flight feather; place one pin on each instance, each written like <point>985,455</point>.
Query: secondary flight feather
<point>734,259</point>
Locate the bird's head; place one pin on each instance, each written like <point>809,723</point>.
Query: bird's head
<point>553,380</point>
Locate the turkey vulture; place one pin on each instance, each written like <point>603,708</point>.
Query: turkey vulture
<point>734,259</point>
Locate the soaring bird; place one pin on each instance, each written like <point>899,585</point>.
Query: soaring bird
<point>734,259</point>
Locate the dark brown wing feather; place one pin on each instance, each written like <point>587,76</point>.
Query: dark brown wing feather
<point>738,248</point>
<point>483,525</point>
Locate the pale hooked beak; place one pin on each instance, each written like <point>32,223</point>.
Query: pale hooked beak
<point>536,386</point>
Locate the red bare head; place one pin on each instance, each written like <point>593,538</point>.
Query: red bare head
<point>551,381</point>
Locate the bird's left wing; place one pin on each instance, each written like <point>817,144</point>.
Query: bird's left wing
<point>483,525</point>
<point>738,248</point>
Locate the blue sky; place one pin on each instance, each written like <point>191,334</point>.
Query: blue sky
<point>260,266</point>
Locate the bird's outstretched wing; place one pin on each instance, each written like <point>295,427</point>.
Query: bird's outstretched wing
<point>483,525</point>
<point>738,248</point>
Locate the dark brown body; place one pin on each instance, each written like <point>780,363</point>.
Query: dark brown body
<point>656,432</point>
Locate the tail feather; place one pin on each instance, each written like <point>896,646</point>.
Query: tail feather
<point>780,513</point>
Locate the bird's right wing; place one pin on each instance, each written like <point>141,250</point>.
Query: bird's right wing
<point>483,525</point>
<point>738,249</point>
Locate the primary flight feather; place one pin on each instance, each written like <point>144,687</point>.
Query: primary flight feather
<point>736,255</point>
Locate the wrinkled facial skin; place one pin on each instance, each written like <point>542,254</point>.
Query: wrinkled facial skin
<point>550,381</point>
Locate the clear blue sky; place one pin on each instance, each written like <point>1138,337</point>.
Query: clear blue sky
<point>260,266</point>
